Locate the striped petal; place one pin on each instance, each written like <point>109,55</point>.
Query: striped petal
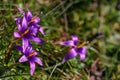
<point>17,20</point>
<point>37,40</point>
<point>23,59</point>
<point>37,60</point>
<point>25,44</point>
<point>40,29</point>
<point>67,43</point>
<point>72,53</point>
<point>24,24</point>
<point>20,28</point>
<point>21,10</point>
<point>16,35</point>
<point>32,67</point>
<point>33,30</point>
<point>29,15</point>
<point>82,52</point>
<point>75,39</point>
<point>18,48</point>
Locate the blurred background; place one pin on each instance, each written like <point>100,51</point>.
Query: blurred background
<point>96,21</point>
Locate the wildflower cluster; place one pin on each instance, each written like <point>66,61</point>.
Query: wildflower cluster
<point>28,29</point>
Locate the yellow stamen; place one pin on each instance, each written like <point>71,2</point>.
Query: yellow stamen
<point>79,46</point>
<point>31,54</point>
<point>33,19</point>
<point>25,33</point>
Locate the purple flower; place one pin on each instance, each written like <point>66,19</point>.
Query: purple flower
<point>28,27</point>
<point>29,55</point>
<point>31,20</point>
<point>75,49</point>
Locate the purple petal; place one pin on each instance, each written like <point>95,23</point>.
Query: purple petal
<point>75,39</point>
<point>37,60</point>
<point>33,30</point>
<point>41,30</point>
<point>23,59</point>
<point>37,40</point>
<point>18,48</point>
<point>28,50</point>
<point>72,53</point>
<point>20,28</point>
<point>67,43</point>
<point>24,24</point>
<point>29,15</point>
<point>16,35</point>
<point>21,10</point>
<point>37,19</point>
<point>82,52</point>
<point>17,20</point>
<point>32,67</point>
<point>25,44</point>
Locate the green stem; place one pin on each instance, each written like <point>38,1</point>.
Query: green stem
<point>54,69</point>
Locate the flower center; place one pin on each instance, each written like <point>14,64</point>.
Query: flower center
<point>16,39</point>
<point>25,32</point>
<point>31,54</point>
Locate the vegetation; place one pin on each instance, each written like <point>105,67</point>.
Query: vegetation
<point>94,21</point>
